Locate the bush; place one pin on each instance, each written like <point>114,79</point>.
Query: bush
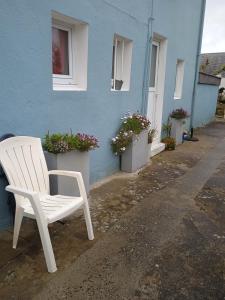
<point>169,142</point>
<point>135,123</point>
<point>120,143</point>
<point>86,142</point>
<point>131,126</point>
<point>61,143</point>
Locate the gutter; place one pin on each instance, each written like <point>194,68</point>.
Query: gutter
<point>201,25</point>
<point>145,88</point>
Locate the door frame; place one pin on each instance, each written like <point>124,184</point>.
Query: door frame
<point>160,87</point>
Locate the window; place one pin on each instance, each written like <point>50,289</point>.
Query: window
<point>154,65</point>
<point>179,79</point>
<point>69,53</point>
<point>121,63</point>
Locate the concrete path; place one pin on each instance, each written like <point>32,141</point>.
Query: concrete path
<point>166,241</point>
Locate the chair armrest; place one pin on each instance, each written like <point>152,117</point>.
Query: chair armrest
<point>65,173</point>
<point>22,192</point>
<point>73,174</point>
<point>34,198</point>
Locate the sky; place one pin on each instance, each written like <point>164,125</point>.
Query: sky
<point>214,27</point>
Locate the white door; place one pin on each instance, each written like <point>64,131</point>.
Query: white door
<point>155,99</point>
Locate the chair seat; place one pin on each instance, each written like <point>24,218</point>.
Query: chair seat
<point>54,207</point>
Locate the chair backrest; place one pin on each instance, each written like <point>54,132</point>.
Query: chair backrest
<point>23,161</point>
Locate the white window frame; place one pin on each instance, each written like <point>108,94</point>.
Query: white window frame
<point>179,79</point>
<point>126,57</point>
<point>78,54</point>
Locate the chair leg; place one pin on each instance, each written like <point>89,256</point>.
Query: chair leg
<point>47,247</point>
<point>17,225</point>
<point>88,221</point>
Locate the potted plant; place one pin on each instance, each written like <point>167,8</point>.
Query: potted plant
<point>131,142</point>
<point>178,119</point>
<point>170,142</point>
<point>68,152</point>
<point>151,135</point>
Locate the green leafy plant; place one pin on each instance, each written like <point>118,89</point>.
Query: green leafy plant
<point>169,142</point>
<point>166,128</point>
<point>120,143</point>
<point>179,114</point>
<point>61,143</point>
<point>86,142</point>
<point>221,95</point>
<point>219,70</point>
<point>136,123</point>
<point>132,125</point>
<point>151,134</point>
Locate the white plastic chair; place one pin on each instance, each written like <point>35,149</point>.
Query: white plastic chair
<point>23,161</point>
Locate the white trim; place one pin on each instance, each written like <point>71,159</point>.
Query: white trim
<point>156,95</point>
<point>122,90</point>
<point>78,54</point>
<point>122,62</point>
<point>66,87</point>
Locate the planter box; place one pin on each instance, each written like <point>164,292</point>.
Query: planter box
<point>70,161</point>
<point>136,154</point>
<point>177,130</point>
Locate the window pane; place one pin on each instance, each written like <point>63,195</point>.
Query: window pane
<point>153,66</point>
<point>179,79</point>
<point>176,93</point>
<point>119,61</point>
<point>60,51</point>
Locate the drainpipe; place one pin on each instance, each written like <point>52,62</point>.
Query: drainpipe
<point>145,89</point>
<point>201,25</point>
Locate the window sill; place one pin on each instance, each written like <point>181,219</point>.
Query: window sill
<point>177,98</point>
<point>71,87</point>
<point>112,90</point>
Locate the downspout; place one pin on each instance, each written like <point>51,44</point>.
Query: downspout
<point>145,89</point>
<point>201,25</point>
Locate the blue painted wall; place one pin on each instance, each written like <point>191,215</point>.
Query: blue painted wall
<point>205,104</point>
<point>29,106</point>
<point>179,22</point>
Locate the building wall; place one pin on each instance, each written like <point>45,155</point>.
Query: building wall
<point>205,104</point>
<point>29,106</point>
<point>179,22</point>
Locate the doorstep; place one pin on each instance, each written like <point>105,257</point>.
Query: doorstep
<point>157,148</point>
